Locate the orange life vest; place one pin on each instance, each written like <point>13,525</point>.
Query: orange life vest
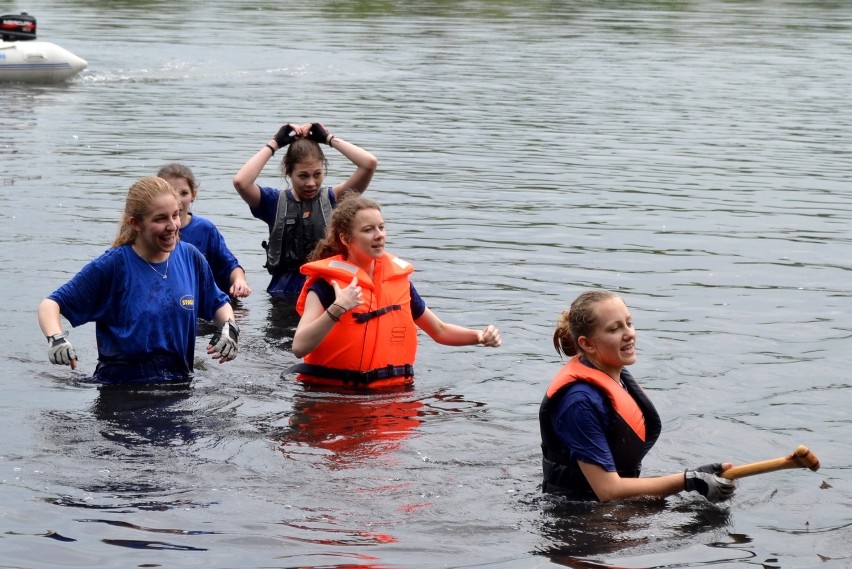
<point>373,345</point>
<point>633,431</point>
<point>622,403</point>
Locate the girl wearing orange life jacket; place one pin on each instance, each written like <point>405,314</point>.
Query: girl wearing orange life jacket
<point>596,422</point>
<point>359,310</point>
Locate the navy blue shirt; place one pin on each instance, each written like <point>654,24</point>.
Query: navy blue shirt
<point>206,237</point>
<point>581,421</point>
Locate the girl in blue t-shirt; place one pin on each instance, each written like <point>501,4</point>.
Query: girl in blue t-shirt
<point>297,223</point>
<point>201,232</point>
<point>144,294</point>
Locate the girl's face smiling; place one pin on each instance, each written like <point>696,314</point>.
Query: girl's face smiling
<point>367,241</point>
<point>613,344</point>
<point>306,179</point>
<point>157,233</point>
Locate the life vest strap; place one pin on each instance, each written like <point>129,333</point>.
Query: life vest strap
<point>355,378</point>
<point>362,317</point>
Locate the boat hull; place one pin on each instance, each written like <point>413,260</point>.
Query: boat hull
<point>37,62</point>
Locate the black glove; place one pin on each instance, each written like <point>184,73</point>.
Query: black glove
<point>705,481</point>
<point>224,341</point>
<point>284,136</point>
<point>318,133</point>
<point>60,351</point>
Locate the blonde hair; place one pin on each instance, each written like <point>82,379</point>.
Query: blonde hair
<point>140,198</point>
<point>342,221</point>
<point>579,320</point>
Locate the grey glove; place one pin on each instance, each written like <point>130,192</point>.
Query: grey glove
<point>705,481</point>
<point>224,341</point>
<point>60,351</point>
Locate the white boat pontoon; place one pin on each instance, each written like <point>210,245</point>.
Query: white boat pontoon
<point>23,58</point>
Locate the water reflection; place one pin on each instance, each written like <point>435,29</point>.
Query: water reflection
<point>734,548</point>
<point>582,529</point>
<point>577,531</point>
<point>148,415</point>
<point>350,427</point>
<point>281,323</point>
<point>128,452</point>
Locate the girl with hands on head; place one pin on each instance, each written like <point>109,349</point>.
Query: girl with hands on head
<point>145,295</point>
<point>597,423</point>
<point>359,311</point>
<point>298,215</point>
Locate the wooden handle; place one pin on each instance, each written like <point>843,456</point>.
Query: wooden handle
<point>799,458</point>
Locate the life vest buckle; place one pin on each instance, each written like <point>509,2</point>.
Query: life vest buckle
<point>362,317</point>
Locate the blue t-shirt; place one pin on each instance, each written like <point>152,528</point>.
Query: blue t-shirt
<point>145,324</point>
<point>206,237</point>
<point>325,293</point>
<point>581,420</point>
<point>285,283</point>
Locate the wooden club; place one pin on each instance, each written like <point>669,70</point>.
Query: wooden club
<point>799,458</point>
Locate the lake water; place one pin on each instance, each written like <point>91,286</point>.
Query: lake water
<point>693,156</point>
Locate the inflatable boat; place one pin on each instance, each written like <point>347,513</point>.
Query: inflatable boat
<point>23,58</point>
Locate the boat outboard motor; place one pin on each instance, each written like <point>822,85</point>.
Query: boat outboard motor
<point>17,27</point>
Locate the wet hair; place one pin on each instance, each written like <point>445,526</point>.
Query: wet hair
<point>302,150</point>
<point>176,170</point>
<point>140,198</point>
<point>579,320</point>
<point>342,221</point>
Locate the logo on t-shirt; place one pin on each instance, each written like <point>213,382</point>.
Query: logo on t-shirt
<point>187,302</point>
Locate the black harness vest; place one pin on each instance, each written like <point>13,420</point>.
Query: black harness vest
<point>297,229</point>
<point>562,475</point>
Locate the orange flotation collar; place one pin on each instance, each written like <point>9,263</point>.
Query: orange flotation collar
<point>374,345</point>
<point>622,403</point>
